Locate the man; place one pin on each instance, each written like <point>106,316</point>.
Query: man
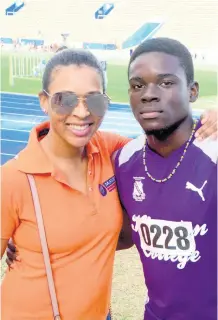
<point>168,186</point>
<point>39,68</point>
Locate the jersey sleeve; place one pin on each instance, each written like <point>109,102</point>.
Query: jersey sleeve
<point>9,212</point>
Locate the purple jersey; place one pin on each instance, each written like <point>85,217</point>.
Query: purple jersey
<point>174,227</point>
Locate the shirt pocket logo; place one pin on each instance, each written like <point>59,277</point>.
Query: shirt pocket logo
<point>107,186</point>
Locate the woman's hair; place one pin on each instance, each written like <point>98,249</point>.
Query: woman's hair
<point>69,57</point>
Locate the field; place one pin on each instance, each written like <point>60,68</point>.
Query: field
<point>128,283</point>
<point>117,83</point>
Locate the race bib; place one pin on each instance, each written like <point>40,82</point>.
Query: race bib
<point>166,237</point>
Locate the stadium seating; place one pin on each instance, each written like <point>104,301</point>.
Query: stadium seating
<point>14,7</point>
<point>76,17</point>
<point>130,15</point>
<point>194,23</point>
<point>104,11</point>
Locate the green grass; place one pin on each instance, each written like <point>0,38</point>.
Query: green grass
<point>128,284</point>
<point>117,83</point>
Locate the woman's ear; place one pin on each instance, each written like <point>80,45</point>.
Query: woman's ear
<point>44,102</point>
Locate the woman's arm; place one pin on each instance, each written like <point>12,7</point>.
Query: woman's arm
<point>125,238</point>
<point>4,244</point>
<point>9,205</point>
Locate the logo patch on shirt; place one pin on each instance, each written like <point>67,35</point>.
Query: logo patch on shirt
<point>138,192</point>
<point>199,191</point>
<point>107,186</point>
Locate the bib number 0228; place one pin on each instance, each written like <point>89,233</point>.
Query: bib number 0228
<point>169,237</point>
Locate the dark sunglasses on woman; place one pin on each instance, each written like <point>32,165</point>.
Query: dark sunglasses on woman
<point>64,102</point>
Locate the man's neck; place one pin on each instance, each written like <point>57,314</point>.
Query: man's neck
<point>164,143</point>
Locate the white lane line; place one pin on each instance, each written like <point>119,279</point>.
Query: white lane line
<point>123,131</point>
<point>18,121</point>
<point>7,154</point>
<point>13,140</point>
<point>19,94</point>
<point>108,116</point>
<point>17,108</point>
<point>23,115</point>
<point>113,124</point>
<point>18,102</point>
<point>8,129</point>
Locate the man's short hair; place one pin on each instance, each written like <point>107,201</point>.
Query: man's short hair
<point>168,46</point>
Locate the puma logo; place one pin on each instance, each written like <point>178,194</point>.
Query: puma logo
<point>190,186</point>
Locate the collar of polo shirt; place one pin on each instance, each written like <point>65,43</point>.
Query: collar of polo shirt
<point>32,158</point>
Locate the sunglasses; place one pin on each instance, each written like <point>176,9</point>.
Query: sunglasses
<point>65,102</point>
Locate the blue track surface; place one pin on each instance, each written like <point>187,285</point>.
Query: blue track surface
<point>19,113</point>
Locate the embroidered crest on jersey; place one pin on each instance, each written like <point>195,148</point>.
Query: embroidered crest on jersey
<point>138,192</point>
<point>168,240</point>
<point>107,186</point>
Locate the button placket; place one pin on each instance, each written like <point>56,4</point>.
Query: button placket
<point>90,174</point>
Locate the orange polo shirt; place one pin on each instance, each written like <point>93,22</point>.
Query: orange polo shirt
<point>82,233</point>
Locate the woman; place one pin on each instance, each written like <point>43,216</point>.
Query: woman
<point>71,164</point>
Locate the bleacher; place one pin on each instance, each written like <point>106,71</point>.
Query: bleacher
<point>201,24</point>
<point>130,15</point>
<point>68,17</point>
<point>195,23</point>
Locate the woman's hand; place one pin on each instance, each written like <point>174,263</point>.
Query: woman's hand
<point>209,128</point>
<point>12,254</point>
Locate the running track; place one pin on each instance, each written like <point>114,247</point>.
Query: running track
<point>19,113</point>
